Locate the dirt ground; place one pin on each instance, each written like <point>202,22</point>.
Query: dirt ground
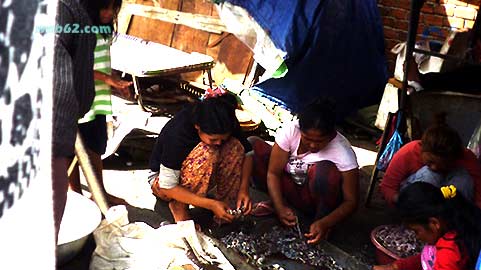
<point>126,172</point>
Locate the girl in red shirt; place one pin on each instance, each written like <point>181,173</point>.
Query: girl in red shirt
<point>438,158</point>
<point>448,224</point>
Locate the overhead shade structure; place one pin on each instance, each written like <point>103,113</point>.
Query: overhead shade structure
<point>332,48</point>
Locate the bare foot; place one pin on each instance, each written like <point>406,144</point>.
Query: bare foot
<point>179,211</point>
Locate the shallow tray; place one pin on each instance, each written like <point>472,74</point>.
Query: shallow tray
<point>258,227</point>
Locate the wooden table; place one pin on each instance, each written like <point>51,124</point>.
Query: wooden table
<point>142,58</point>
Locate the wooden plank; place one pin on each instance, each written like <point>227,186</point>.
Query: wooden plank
<point>395,83</point>
<point>194,20</point>
<point>152,29</point>
<point>189,39</point>
<point>123,21</point>
<point>233,59</point>
<point>214,12</point>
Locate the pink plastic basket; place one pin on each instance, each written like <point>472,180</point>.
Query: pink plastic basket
<point>383,255</point>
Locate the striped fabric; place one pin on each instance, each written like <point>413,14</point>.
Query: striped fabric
<point>72,77</point>
<point>102,104</point>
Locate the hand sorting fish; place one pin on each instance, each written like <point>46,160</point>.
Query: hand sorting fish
<point>298,228</point>
<point>280,240</point>
<point>237,213</point>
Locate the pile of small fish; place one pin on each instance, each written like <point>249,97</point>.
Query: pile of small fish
<point>399,240</point>
<point>236,212</point>
<point>279,240</point>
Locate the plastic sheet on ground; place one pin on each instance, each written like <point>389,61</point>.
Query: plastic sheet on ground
<point>124,245</point>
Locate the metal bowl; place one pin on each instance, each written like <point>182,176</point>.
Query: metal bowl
<point>81,217</point>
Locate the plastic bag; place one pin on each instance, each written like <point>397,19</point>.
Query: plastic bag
<point>400,50</point>
<point>474,143</point>
<point>425,62</point>
<point>392,147</point>
<point>389,104</point>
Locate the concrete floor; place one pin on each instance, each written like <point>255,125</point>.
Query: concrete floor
<point>126,172</point>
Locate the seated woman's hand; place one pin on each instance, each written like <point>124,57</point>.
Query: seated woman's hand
<point>244,202</point>
<point>317,231</point>
<point>220,210</point>
<point>287,216</point>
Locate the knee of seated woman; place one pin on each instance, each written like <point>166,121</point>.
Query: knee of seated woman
<point>234,145</point>
<point>323,165</point>
<point>254,140</point>
<point>208,151</point>
<point>324,170</point>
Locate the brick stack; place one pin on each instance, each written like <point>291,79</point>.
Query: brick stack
<point>446,14</point>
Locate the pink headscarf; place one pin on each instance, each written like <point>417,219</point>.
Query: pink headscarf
<point>212,93</point>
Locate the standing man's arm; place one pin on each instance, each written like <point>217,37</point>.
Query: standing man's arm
<point>64,115</point>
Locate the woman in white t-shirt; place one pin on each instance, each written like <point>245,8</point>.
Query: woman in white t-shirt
<point>311,167</point>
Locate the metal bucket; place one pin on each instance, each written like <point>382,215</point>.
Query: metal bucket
<point>81,217</point>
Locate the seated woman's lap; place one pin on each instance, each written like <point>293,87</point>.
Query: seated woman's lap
<point>206,167</point>
<point>325,184</point>
<point>262,153</point>
<point>319,196</point>
<point>227,175</point>
<point>458,177</point>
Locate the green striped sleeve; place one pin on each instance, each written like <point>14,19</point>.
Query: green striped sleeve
<point>105,92</point>
<point>102,102</point>
<point>101,48</point>
<point>102,59</point>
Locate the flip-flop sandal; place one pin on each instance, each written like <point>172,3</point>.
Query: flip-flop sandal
<point>262,209</point>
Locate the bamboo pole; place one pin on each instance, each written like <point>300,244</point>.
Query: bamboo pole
<point>88,170</point>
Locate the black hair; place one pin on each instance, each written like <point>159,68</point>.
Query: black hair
<point>421,201</point>
<point>319,115</point>
<point>93,8</point>
<point>441,140</point>
<point>215,115</point>
<point>230,99</point>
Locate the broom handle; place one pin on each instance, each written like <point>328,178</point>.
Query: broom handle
<point>72,166</point>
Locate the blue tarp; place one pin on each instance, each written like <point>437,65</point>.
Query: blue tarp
<point>334,48</point>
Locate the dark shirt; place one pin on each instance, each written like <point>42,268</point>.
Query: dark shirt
<point>177,139</point>
<point>73,79</point>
